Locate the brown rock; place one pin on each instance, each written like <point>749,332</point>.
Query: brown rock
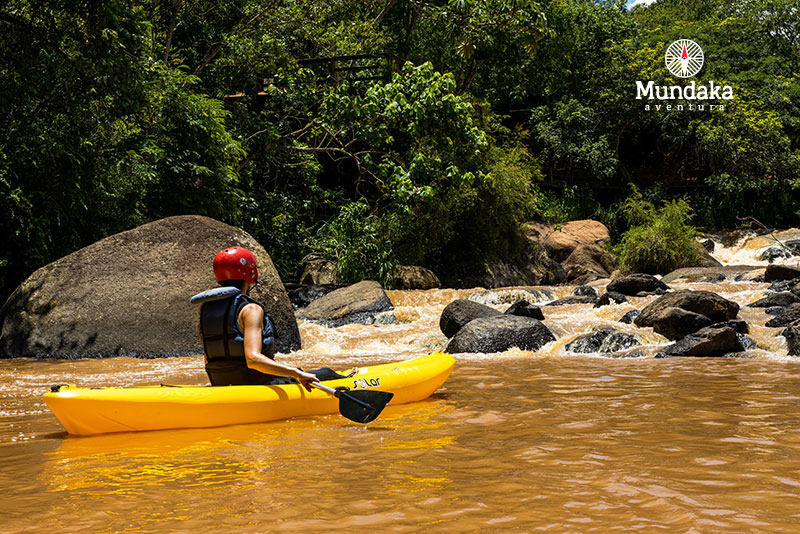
<point>587,263</point>
<point>414,277</point>
<point>561,240</point>
<point>352,304</point>
<point>128,294</point>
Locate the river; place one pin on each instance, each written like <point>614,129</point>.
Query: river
<point>513,442</point>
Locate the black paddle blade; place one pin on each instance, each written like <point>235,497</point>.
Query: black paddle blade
<point>364,405</point>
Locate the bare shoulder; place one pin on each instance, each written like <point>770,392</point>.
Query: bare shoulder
<point>251,312</point>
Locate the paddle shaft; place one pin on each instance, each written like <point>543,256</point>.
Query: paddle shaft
<point>336,394</point>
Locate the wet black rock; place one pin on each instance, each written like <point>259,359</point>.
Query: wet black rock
<point>573,299</point>
<point>619,341</point>
<point>708,244</point>
<point>302,295</point>
<point>780,272</point>
<point>790,315</point>
<point>775,253</point>
<point>709,341</point>
<point>637,283</point>
<point>499,333</point>
<point>629,317</point>
<point>524,308</point>
<point>782,285</point>
<point>747,342</point>
<point>460,312</point>
<point>589,343</point>
<point>775,310</point>
<point>585,291</point>
<point>775,299</point>
<point>792,335</point>
<point>739,325</point>
<point>608,297</point>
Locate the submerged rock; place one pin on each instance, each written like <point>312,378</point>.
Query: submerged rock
<point>629,317</point>
<point>709,341</point>
<point>589,343</point>
<point>500,333</point>
<point>460,312</point>
<point>585,291</point>
<point>573,299</point>
<point>358,303</point>
<point>635,284</point>
<point>510,296</point>
<point>608,297</point>
<point>784,299</point>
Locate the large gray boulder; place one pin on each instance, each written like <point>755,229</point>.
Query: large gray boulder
<point>500,333</point>
<point>460,312</point>
<point>128,295</point>
<point>358,303</point>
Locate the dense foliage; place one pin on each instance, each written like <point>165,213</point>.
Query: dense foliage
<point>467,118</point>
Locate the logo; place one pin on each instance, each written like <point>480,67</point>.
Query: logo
<point>684,58</point>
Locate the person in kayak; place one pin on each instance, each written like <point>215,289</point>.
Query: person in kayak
<point>238,335</point>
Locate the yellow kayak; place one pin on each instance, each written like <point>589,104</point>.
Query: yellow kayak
<point>86,411</point>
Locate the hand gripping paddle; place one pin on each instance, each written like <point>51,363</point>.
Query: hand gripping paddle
<point>361,406</point>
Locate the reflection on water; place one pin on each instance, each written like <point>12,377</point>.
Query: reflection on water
<point>513,442</point>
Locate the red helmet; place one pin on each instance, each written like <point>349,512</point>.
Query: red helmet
<point>235,263</point>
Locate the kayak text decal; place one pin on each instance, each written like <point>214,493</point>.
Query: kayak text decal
<point>363,383</point>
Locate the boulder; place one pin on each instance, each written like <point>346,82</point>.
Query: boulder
<point>532,266</point>
<point>709,341</point>
<point>619,341</point>
<point>775,253</point>
<point>460,312</point>
<point>525,309</point>
<point>318,271</point>
<point>675,323</point>
<point>414,277</point>
<point>500,333</point>
<point>792,336</point>
<point>629,317</point>
<point>608,297</point>
<point>513,295</point>
<point>790,315</point>
<point>780,272</point>
<point>739,325</point>
<point>128,294</point>
<point>561,240</point>
<point>784,298</point>
<point>358,303</point>
<point>585,291</point>
<point>588,262</point>
<point>303,295</point>
<point>635,284</point>
<point>782,285</point>
<point>589,343</point>
<point>705,303</point>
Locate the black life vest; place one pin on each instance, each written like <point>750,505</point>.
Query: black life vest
<point>223,340</point>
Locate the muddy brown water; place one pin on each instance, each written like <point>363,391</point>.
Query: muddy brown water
<point>513,442</point>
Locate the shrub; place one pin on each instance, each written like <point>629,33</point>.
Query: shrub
<point>659,239</point>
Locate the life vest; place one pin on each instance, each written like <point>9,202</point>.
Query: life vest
<point>223,340</point>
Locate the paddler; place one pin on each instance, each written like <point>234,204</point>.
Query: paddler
<point>238,335</point>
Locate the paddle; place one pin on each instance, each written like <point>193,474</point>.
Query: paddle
<point>361,406</point>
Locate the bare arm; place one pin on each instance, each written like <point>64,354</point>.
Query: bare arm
<point>251,318</point>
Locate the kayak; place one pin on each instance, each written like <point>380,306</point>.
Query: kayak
<point>87,411</point>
